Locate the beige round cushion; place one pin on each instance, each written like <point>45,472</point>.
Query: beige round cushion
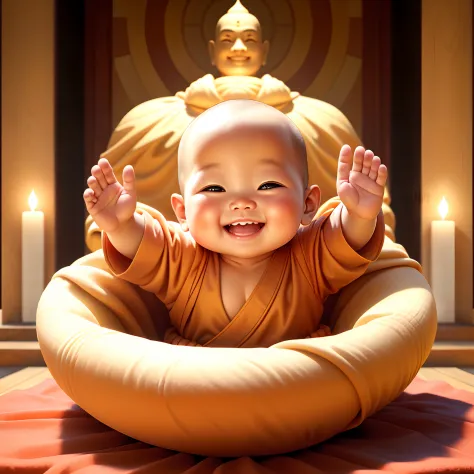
<point>99,336</point>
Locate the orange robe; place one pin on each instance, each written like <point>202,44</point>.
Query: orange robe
<point>287,302</point>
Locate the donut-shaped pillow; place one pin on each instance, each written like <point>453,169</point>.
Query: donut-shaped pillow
<point>100,338</point>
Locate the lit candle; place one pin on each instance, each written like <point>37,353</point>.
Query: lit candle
<point>32,260</point>
<point>442,265</point>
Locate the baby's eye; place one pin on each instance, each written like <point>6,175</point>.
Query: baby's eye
<point>213,189</point>
<point>271,185</point>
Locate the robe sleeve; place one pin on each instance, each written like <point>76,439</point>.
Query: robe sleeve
<point>332,263</point>
<point>163,260</point>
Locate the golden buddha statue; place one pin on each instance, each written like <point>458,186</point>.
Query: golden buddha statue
<point>148,136</point>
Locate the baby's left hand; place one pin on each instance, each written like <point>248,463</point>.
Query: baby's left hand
<point>361,182</point>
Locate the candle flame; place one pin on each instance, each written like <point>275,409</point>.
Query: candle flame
<point>32,200</point>
<point>443,208</point>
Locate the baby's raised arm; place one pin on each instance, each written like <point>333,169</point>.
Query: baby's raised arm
<point>361,181</point>
<point>112,206</point>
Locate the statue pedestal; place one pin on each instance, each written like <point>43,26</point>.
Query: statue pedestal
<point>19,346</point>
<point>454,346</point>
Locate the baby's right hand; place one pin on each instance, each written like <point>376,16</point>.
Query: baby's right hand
<point>108,202</point>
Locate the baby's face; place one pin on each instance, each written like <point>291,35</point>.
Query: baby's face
<point>247,175</point>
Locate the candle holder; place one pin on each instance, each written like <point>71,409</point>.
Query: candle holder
<point>443,265</point>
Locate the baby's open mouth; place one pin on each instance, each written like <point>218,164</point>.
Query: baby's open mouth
<point>244,229</point>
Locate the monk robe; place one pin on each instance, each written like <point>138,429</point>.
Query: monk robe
<point>287,302</point>
<point>148,138</point>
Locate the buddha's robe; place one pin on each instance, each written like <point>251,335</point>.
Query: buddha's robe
<point>287,302</point>
<point>148,138</point>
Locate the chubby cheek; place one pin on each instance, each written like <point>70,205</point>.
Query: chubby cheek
<point>284,211</point>
<point>203,216</point>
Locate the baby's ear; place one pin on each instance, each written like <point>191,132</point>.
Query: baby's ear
<point>177,202</point>
<point>311,204</point>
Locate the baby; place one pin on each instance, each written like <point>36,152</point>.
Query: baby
<point>248,265</point>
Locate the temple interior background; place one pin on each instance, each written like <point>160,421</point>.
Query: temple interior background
<point>400,71</point>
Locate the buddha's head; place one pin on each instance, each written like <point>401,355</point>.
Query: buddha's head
<point>238,49</point>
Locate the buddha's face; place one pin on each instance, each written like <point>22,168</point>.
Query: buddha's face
<point>238,49</point>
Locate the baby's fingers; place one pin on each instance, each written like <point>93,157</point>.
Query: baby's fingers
<point>107,171</point>
<point>382,175</point>
<point>344,164</point>
<point>89,198</point>
<point>324,330</point>
<point>367,163</point>
<point>128,176</point>
<point>358,158</point>
<point>99,177</point>
<point>374,168</point>
<point>94,186</point>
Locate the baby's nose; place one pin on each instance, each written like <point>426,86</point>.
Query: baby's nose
<point>242,203</point>
<point>238,45</point>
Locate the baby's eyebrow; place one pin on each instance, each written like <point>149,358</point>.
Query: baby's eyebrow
<point>263,161</point>
<point>270,161</point>
<point>208,166</point>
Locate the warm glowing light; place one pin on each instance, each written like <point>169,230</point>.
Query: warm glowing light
<point>443,208</point>
<point>32,200</point>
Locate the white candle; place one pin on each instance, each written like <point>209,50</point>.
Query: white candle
<point>32,260</point>
<point>442,265</point>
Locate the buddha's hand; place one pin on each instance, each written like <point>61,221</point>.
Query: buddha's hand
<point>361,181</point>
<point>109,203</point>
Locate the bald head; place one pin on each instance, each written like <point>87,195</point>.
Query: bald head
<point>233,116</point>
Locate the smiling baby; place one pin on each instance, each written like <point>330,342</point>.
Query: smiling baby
<point>247,264</point>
